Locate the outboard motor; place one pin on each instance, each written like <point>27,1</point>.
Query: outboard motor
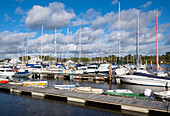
<point>147,92</point>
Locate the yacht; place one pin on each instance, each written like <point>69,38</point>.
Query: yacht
<point>7,72</point>
<point>141,76</point>
<point>105,68</point>
<point>81,70</point>
<point>23,73</point>
<point>145,79</point>
<point>91,68</point>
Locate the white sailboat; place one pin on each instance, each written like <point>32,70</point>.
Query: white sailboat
<point>144,78</point>
<point>159,70</point>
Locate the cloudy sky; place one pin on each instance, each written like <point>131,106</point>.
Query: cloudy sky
<point>22,20</point>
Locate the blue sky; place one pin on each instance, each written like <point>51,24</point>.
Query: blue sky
<point>99,26</point>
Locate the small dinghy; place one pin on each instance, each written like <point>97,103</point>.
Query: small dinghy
<point>41,84</point>
<point>4,81</point>
<point>88,90</point>
<point>128,93</point>
<point>64,87</point>
<point>120,91</point>
<point>15,83</point>
<point>164,95</point>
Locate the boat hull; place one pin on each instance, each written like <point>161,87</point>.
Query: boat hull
<point>4,81</point>
<point>140,80</point>
<point>165,95</point>
<point>8,74</point>
<point>129,95</point>
<point>35,83</point>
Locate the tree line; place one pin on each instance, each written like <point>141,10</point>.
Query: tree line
<point>163,59</point>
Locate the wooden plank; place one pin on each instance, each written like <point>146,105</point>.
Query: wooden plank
<point>133,108</point>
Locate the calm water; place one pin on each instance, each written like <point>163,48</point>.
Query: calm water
<point>17,105</point>
<point>165,67</point>
<point>13,105</point>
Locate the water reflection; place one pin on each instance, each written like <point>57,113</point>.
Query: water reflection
<point>13,105</point>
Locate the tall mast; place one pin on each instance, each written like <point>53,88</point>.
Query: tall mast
<point>27,46</point>
<point>55,46</point>
<point>22,49</point>
<point>68,42</point>
<point>102,55</point>
<point>119,31</point>
<point>157,65</point>
<point>80,44</point>
<point>50,47</point>
<point>41,41</point>
<point>137,41</point>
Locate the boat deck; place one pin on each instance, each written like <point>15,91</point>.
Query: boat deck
<point>97,100</point>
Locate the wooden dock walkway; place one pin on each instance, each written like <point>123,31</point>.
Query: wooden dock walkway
<point>73,74</point>
<point>55,74</point>
<point>97,100</point>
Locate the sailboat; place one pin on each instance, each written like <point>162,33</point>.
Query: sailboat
<point>159,70</point>
<point>23,72</point>
<point>144,78</point>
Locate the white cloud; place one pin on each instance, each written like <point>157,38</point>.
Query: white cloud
<point>107,18</point>
<point>23,19</point>
<point>86,18</point>
<point>10,42</point>
<point>53,16</point>
<point>115,2</point>
<point>99,32</point>
<point>20,1</point>
<point>88,35</point>
<point>147,4</point>
<point>90,41</point>
<point>128,24</point>
<point>19,10</point>
<point>7,17</point>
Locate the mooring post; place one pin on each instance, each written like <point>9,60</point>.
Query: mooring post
<point>110,76</point>
<point>55,76</point>
<point>146,64</point>
<point>151,66</point>
<point>13,67</point>
<point>34,76</point>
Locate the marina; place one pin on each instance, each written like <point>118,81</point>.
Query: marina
<point>87,58</point>
<point>80,92</point>
<point>115,103</point>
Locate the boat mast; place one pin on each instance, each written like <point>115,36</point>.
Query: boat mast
<point>119,32</point>
<point>50,49</point>
<point>22,50</point>
<point>80,44</point>
<point>41,41</point>
<point>55,46</point>
<point>137,41</point>
<point>27,46</point>
<point>102,55</point>
<point>68,42</point>
<point>157,65</point>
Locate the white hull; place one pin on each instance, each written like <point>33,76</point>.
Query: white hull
<point>162,95</point>
<point>7,74</point>
<point>142,80</point>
